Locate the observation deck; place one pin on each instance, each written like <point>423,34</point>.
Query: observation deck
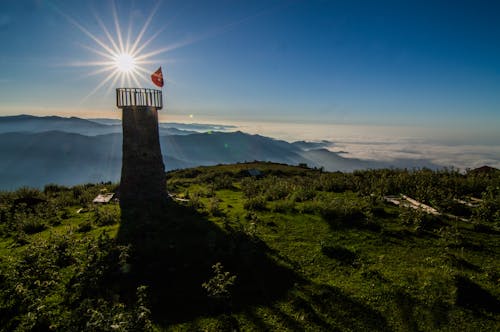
<point>138,97</point>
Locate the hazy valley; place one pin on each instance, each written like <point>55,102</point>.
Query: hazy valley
<point>68,151</point>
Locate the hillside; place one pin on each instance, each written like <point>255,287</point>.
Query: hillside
<point>87,127</point>
<point>291,249</point>
<point>36,159</point>
<point>36,151</point>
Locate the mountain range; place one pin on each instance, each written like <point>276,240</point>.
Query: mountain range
<point>35,151</point>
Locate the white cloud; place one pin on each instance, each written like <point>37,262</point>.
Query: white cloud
<point>460,149</point>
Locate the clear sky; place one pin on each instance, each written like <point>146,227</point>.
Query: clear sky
<point>426,63</point>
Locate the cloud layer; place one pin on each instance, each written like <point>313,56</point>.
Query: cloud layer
<point>418,147</point>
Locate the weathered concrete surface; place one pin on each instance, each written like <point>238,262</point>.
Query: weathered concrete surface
<point>143,183</point>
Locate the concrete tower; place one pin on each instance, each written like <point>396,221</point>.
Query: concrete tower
<point>143,182</point>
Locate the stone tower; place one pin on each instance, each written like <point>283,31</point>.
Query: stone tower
<point>143,182</point>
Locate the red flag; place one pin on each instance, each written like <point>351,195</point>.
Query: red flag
<point>157,78</point>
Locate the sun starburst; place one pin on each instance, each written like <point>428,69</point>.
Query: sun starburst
<point>125,63</point>
<point>123,60</point>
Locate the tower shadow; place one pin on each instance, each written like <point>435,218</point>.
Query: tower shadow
<point>173,250</point>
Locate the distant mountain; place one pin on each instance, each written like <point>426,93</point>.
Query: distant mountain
<point>87,127</point>
<point>63,158</point>
<point>484,170</point>
<point>312,145</point>
<point>106,121</point>
<point>35,159</point>
<point>182,128</point>
<point>35,124</point>
<point>32,153</point>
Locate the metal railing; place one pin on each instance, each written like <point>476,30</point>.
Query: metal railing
<point>130,97</point>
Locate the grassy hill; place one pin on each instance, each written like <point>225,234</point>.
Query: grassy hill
<point>291,249</point>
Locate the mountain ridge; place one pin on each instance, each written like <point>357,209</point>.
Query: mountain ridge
<point>68,155</point>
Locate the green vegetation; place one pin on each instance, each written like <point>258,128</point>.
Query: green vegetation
<point>291,249</point>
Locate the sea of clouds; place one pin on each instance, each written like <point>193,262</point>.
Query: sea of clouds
<point>458,148</point>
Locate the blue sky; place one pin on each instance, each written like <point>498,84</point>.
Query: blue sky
<point>425,63</point>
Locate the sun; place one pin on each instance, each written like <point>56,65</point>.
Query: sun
<point>125,63</point>
<point>122,60</point>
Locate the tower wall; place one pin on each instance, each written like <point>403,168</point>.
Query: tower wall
<point>143,181</point>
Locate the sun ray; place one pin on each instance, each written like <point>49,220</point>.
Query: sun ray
<point>129,33</point>
<point>117,26</point>
<point>142,69</point>
<point>156,52</point>
<point>147,42</point>
<point>127,79</point>
<point>122,80</point>
<point>147,62</point>
<point>93,50</point>
<point>144,28</point>
<point>142,78</point>
<point>87,32</point>
<point>107,33</point>
<point>123,55</point>
<point>134,78</point>
<point>90,63</point>
<point>113,84</point>
<point>100,85</point>
<point>98,71</point>
<point>136,51</point>
<point>126,60</point>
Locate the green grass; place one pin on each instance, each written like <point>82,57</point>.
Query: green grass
<point>340,260</point>
<point>401,277</point>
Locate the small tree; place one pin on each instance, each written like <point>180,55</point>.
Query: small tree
<point>219,286</point>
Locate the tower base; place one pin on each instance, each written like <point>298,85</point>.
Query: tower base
<point>143,181</point>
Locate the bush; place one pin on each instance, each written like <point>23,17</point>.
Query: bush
<point>250,187</point>
<point>214,206</point>
<point>84,227</point>
<point>303,193</point>
<point>223,182</point>
<point>53,188</point>
<point>219,286</point>
<point>194,200</point>
<point>105,216</point>
<point>257,203</point>
<point>29,223</point>
<point>310,207</point>
<point>489,208</point>
<point>283,206</point>
<point>276,188</point>
<point>411,217</point>
<point>342,210</point>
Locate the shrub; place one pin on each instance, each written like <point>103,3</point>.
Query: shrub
<point>219,286</point>
<point>102,315</point>
<point>311,207</point>
<point>342,210</point>
<point>283,206</point>
<point>53,188</point>
<point>84,227</point>
<point>277,188</point>
<point>257,203</point>
<point>214,206</point>
<point>489,208</point>
<point>194,200</point>
<point>33,226</point>
<point>105,216</point>
<point>303,193</point>
<point>223,182</point>
<point>250,187</point>
<point>29,223</point>
<point>410,216</point>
